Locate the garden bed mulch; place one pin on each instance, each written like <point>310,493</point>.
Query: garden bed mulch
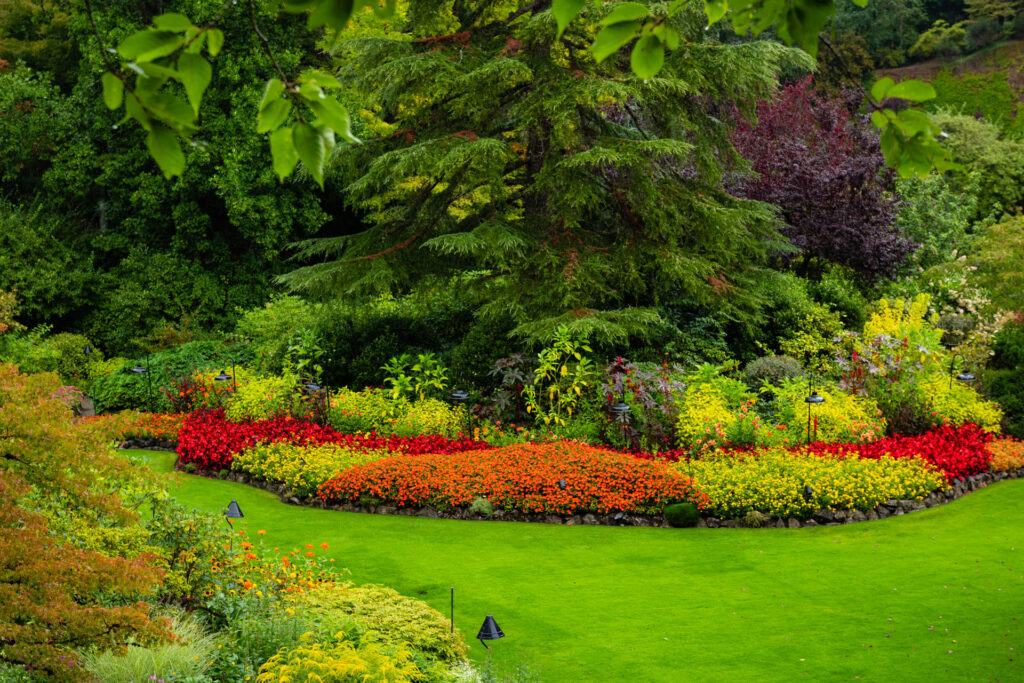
<point>890,508</point>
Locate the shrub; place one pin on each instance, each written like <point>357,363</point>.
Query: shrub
<point>957,451</point>
<point>369,410</point>
<point>771,370</point>
<point>812,340</point>
<point>524,477</point>
<point>262,397</point>
<point>1007,387</point>
<point>1007,454</point>
<point>430,416</point>
<point>188,655</point>
<point>337,660</point>
<point>395,618</point>
<point>953,402</point>
<point>72,362</point>
<point>128,425</point>
<point>772,481</point>
<point>843,417</point>
<point>481,506</point>
<point>301,468</point>
<point>269,329</point>
<point>711,403</point>
<point>251,640</point>
<point>682,515</point>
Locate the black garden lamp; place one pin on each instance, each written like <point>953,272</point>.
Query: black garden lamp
<point>458,397</point>
<point>139,370</point>
<point>87,350</point>
<point>224,377</point>
<point>965,375</point>
<point>489,631</point>
<point>812,400</point>
<point>621,409</point>
<point>808,492</point>
<point>232,512</point>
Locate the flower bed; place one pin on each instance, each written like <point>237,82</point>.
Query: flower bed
<point>1007,455</point>
<point>210,442</point>
<point>521,476</point>
<point>302,468</point>
<point>163,427</point>
<point>958,451</point>
<point>773,481</point>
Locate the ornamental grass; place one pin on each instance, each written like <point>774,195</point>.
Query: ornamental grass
<point>524,476</point>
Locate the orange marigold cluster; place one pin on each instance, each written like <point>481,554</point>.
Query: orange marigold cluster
<point>1007,454</point>
<point>522,476</point>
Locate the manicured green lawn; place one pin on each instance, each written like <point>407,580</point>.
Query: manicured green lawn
<point>933,596</point>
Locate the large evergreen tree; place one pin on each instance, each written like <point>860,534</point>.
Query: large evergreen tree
<point>574,191</point>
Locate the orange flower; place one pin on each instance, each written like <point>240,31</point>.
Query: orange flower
<point>262,532</point>
<point>323,546</point>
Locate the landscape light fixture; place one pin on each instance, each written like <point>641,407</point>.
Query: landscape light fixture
<point>808,492</point>
<point>87,350</point>
<point>489,631</point>
<point>459,397</point>
<point>139,370</point>
<point>222,377</point>
<point>561,484</point>
<point>621,409</point>
<point>232,512</point>
<point>811,400</point>
<point>965,375</point>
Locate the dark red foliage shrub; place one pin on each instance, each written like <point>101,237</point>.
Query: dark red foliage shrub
<point>209,441</point>
<point>824,168</point>
<point>958,451</point>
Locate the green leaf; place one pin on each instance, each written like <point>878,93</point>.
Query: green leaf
<point>133,109</point>
<point>196,74</point>
<point>170,109</point>
<point>335,116</point>
<point>165,150</point>
<point>331,13</point>
<point>282,149</point>
<point>879,119</point>
<point>881,88</point>
<point>648,56</point>
<point>311,146</point>
<point>214,41</point>
<point>273,115</point>
<point>626,11</point>
<point>611,39</point>
<point>669,36</point>
<point>715,9</point>
<point>145,46</point>
<point>113,90</point>
<point>272,91</point>
<point>172,22</point>
<point>565,11</point>
<point>914,121</point>
<point>913,90</point>
<point>324,80</point>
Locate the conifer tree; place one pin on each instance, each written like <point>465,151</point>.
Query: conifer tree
<point>573,191</point>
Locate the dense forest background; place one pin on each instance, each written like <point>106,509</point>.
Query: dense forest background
<point>806,227</point>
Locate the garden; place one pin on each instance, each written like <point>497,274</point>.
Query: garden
<point>561,340</point>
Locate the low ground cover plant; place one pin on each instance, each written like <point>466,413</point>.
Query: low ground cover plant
<point>525,477</point>
<point>785,483</point>
<point>302,468</point>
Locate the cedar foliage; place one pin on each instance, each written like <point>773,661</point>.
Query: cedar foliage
<point>55,596</point>
<point>575,191</point>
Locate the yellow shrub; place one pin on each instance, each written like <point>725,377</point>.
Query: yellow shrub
<point>772,481</point>
<point>900,319</point>
<point>703,414</point>
<point>301,468</point>
<point>956,403</point>
<point>338,661</point>
<point>431,416</point>
<point>843,417</point>
<point>369,410</point>
<point>1007,454</point>
<point>262,397</point>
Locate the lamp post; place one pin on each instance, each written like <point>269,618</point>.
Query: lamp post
<point>812,399</point>
<point>489,631</point>
<point>139,370</point>
<point>232,512</point>
<point>965,375</point>
<point>458,397</point>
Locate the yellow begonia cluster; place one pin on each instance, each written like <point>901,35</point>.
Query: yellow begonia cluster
<point>772,481</point>
<point>301,468</point>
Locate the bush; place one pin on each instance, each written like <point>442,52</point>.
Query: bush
<point>1007,454</point>
<point>262,398</point>
<point>772,481</point>
<point>982,33</point>
<point>481,506</point>
<point>524,477</point>
<point>337,660</point>
<point>771,370</point>
<point>711,403</point>
<point>72,361</point>
<point>270,330</point>
<point>369,410</point>
<point>431,416</point>
<point>952,402</point>
<point>843,417</point>
<point>395,618</point>
<point>301,468</point>
<point>253,639</point>
<point>681,515</point>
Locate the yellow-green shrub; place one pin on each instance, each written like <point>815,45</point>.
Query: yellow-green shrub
<point>262,397</point>
<point>369,410</point>
<point>710,406</point>
<point>431,416</point>
<point>394,617</point>
<point>338,661</point>
<point>908,320</point>
<point>956,403</point>
<point>772,481</point>
<point>842,418</point>
<point>301,468</point>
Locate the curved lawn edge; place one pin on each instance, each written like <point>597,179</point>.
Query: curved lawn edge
<point>890,508</point>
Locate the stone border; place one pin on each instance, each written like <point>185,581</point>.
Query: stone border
<point>890,508</point>
<point>146,443</point>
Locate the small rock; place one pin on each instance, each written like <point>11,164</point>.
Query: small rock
<point>730,524</point>
<point>387,509</point>
<point>793,523</point>
<point>702,524</point>
<point>590,519</point>
<point>553,519</point>
<point>857,516</point>
<point>810,522</point>
<point>427,512</point>
<point>824,516</point>
<point>575,520</point>
<point>918,505</point>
